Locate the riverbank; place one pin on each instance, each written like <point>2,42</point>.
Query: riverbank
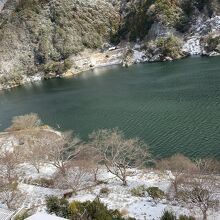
<point>89,60</point>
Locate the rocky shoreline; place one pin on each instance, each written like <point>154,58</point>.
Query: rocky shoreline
<point>125,55</point>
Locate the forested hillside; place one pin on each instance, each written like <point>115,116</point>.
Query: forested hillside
<point>39,37</point>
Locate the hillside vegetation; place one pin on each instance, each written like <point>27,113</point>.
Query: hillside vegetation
<point>36,32</point>
<point>36,35</point>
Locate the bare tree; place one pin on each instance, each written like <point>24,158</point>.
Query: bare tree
<point>117,153</point>
<point>200,191</point>
<point>9,160</point>
<point>34,149</point>
<point>24,122</point>
<point>180,167</point>
<point>61,149</point>
<point>10,194</point>
<point>91,159</point>
<point>77,177</point>
<point>208,166</point>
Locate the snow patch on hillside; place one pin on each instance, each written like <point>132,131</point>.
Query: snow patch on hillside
<point>192,46</point>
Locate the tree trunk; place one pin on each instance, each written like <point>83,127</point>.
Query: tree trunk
<point>204,215</point>
<point>37,168</point>
<point>96,174</point>
<point>124,181</point>
<point>175,185</point>
<point>63,169</point>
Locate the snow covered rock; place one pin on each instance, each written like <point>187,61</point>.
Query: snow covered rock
<point>192,46</point>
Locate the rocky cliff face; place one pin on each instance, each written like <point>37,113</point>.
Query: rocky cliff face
<point>46,38</point>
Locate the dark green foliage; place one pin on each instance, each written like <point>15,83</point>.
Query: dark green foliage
<point>155,192</point>
<point>97,210</point>
<point>167,215</point>
<point>58,67</point>
<point>82,211</point>
<point>169,47</point>
<point>136,22</point>
<point>57,206</point>
<point>212,43</point>
<point>185,217</point>
<point>94,210</point>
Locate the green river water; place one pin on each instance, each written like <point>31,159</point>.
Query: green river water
<point>173,106</point>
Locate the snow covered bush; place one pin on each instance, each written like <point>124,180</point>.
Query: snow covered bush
<point>105,191</point>
<point>44,182</point>
<point>139,191</point>
<point>155,193</point>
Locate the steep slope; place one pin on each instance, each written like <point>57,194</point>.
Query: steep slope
<point>41,38</point>
<point>36,32</point>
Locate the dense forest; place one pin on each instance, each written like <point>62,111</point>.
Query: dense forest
<point>42,36</point>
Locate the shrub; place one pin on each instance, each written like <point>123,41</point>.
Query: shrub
<point>22,216</point>
<point>25,122</point>
<point>168,215</point>
<point>44,182</point>
<point>99,182</point>
<point>82,210</point>
<point>105,191</point>
<point>94,210</point>
<point>58,67</point>
<point>13,79</point>
<point>170,46</point>
<point>185,217</point>
<point>138,191</point>
<point>167,12</point>
<point>212,43</point>
<point>155,192</point>
<point>75,209</point>
<point>57,206</point>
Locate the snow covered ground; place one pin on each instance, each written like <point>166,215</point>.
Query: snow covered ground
<point>119,197</point>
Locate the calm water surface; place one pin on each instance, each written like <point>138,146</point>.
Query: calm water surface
<point>173,106</point>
